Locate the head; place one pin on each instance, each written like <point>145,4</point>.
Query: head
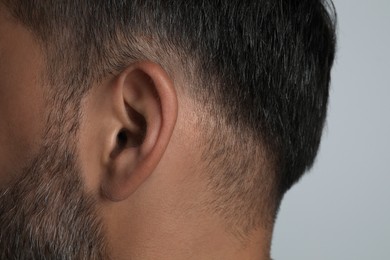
<point>130,124</point>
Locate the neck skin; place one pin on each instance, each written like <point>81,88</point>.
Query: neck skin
<point>159,230</point>
<point>166,218</point>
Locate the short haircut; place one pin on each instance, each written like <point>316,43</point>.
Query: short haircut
<point>259,69</point>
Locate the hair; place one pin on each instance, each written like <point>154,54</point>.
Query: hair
<point>259,69</point>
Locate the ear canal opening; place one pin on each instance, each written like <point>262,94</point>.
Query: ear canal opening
<point>125,138</point>
<point>122,138</point>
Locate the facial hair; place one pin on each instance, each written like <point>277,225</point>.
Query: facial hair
<point>46,214</point>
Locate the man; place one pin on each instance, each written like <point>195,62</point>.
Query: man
<point>156,129</point>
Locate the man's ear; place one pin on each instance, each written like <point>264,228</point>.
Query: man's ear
<point>145,104</point>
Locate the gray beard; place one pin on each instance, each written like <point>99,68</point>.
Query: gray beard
<point>46,214</point>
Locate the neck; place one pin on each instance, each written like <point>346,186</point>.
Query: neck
<point>153,233</point>
<point>201,240</point>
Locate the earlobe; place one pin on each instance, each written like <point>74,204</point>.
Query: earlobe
<point>146,104</point>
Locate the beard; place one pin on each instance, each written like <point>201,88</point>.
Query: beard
<point>45,213</point>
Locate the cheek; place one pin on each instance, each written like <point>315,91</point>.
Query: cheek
<point>21,107</point>
<point>20,130</point>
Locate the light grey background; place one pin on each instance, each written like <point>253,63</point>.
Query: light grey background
<point>341,208</point>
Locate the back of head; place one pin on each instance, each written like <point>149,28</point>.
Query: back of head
<point>259,71</point>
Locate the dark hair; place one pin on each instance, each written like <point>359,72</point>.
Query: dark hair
<point>259,68</point>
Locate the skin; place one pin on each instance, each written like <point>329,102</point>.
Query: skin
<point>20,103</point>
<point>142,198</point>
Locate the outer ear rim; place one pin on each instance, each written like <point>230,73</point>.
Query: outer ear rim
<point>117,187</point>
